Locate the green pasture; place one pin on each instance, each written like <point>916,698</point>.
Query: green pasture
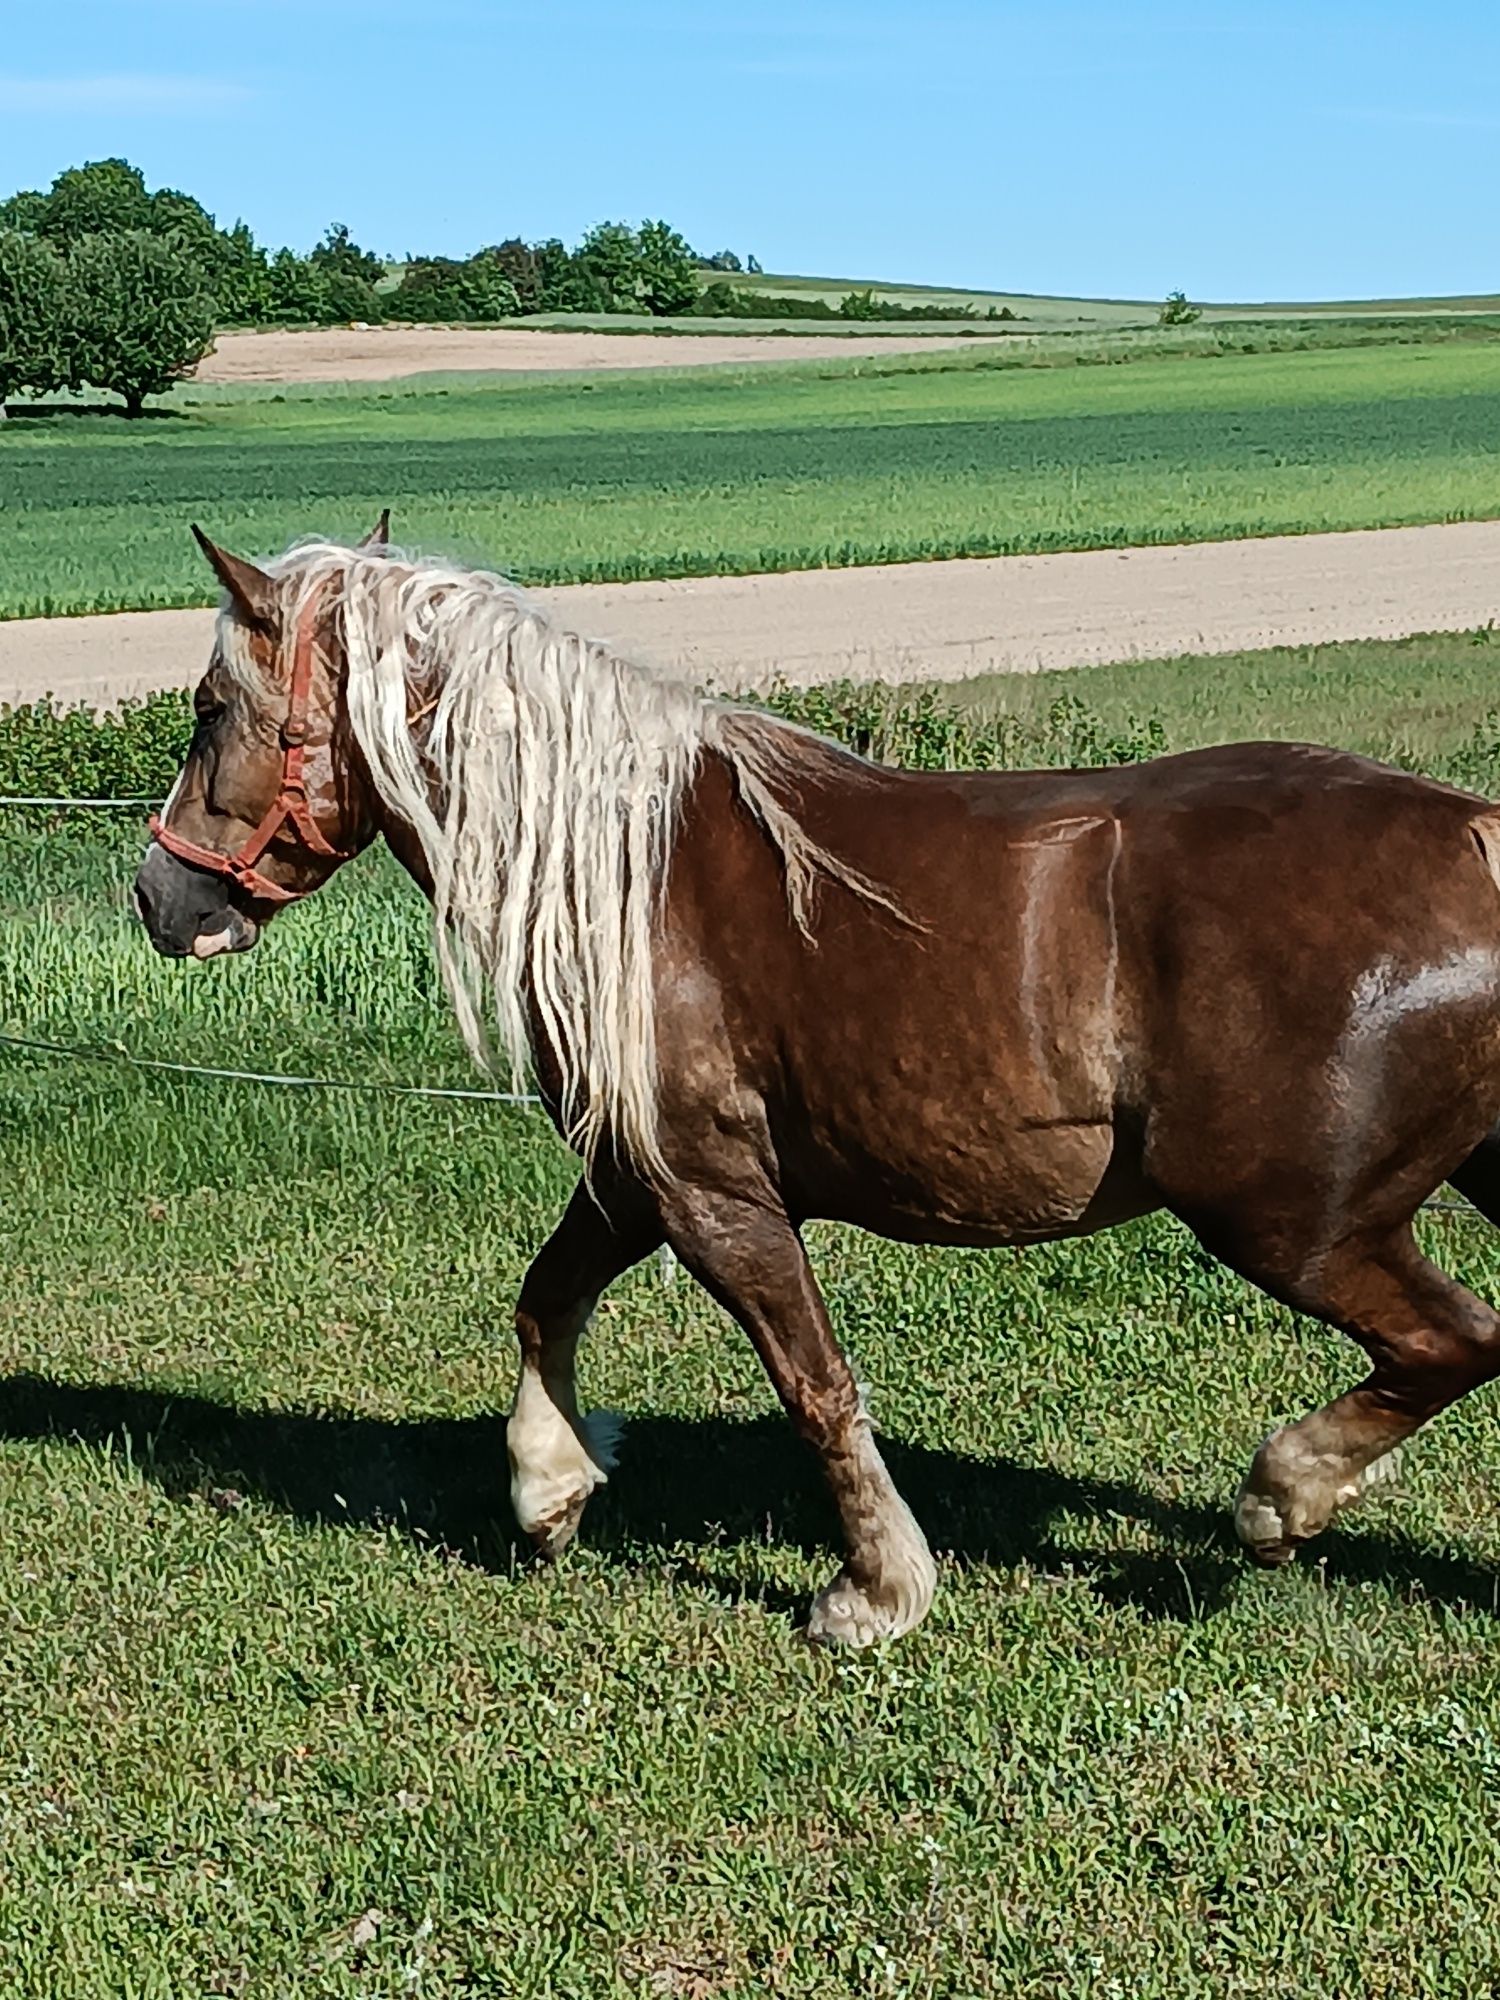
<point>286,1711</point>
<point>1042,309</point>
<point>996,449</point>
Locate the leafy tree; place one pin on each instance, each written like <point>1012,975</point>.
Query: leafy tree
<point>520,263</point>
<point>564,282</point>
<point>610,258</point>
<point>24,212</point>
<point>100,198</point>
<point>139,315</point>
<point>240,278</point>
<point>721,260</point>
<point>1176,311</point>
<point>188,222</point>
<point>666,270</point>
<point>442,288</point>
<point>339,252</point>
<point>31,315</point>
<point>297,291</point>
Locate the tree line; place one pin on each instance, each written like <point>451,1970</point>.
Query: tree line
<point>107,285</point>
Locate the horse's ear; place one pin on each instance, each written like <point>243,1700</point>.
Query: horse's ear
<point>379,536</point>
<point>256,596</point>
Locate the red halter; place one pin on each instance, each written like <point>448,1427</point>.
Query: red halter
<point>289,807</point>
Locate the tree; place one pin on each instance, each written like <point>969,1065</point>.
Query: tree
<point>23,212</point>
<point>100,198</point>
<point>666,270</point>
<point>442,288</point>
<point>31,315</point>
<point>241,281</point>
<point>564,282</point>
<point>609,258</point>
<point>519,262</point>
<point>338,252</point>
<point>139,315</point>
<point>296,291</point>
<point>1176,311</point>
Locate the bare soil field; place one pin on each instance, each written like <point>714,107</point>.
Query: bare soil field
<point>385,353</point>
<point>940,621</point>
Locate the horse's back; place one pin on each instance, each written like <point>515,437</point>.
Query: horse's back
<point>1080,960</point>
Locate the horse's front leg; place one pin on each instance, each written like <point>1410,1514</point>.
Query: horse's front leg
<point>557,1456</point>
<point>750,1257</point>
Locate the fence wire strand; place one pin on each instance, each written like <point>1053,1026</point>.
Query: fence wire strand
<point>114,1053</point>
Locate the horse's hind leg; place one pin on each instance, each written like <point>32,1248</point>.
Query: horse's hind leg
<point>557,1456</point>
<point>1429,1342</point>
<point>751,1259</point>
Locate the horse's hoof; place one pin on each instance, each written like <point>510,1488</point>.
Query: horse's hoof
<point>845,1616</point>
<point>1262,1530</point>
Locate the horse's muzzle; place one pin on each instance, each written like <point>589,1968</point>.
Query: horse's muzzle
<point>189,913</point>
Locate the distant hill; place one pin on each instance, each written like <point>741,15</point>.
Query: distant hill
<point>1040,310</point>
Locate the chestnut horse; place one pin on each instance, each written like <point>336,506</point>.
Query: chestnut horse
<point>760,980</point>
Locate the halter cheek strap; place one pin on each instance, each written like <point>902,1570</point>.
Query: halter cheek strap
<point>288,808</point>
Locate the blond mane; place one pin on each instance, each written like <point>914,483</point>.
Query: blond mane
<point>543,778</point>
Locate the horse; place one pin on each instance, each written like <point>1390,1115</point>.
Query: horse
<point>759,980</point>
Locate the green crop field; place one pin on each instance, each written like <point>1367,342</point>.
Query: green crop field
<point>1008,448</point>
<point>286,1711</point>
<point>1043,309</point>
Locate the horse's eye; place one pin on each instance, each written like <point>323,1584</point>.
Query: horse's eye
<point>207,711</point>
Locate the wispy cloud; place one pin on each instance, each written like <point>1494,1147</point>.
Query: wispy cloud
<point>118,93</point>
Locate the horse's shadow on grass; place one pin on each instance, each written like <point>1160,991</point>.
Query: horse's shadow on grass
<point>692,1482</point>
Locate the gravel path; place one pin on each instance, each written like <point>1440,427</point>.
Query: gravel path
<point>915,621</point>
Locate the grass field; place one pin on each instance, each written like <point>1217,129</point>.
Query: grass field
<point>1042,309</point>
<point>285,1712</point>
<point>833,463</point>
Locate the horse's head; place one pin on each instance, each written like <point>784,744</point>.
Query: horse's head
<point>270,800</point>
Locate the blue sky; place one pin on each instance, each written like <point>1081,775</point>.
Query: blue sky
<point>1275,150</point>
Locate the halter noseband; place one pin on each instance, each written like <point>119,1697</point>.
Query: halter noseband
<point>289,807</point>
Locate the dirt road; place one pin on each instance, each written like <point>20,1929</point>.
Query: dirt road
<point>914,621</point>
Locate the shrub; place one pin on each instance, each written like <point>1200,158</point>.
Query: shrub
<point>926,732</point>
<point>137,750</point>
<point>861,305</point>
<point>31,315</point>
<point>723,301</point>
<point>1175,311</point>
<point>134,752</point>
<point>138,314</point>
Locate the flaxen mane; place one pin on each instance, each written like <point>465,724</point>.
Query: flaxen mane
<point>543,776</point>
